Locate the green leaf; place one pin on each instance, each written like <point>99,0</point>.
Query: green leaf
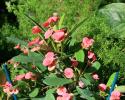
<point>85,93</point>
<point>80,55</point>
<point>34,93</point>
<point>61,21</point>
<point>95,67</point>
<point>55,81</point>
<point>15,40</point>
<point>49,94</point>
<point>86,81</point>
<point>120,88</point>
<point>89,77</point>
<point>111,79</point>
<point>22,58</point>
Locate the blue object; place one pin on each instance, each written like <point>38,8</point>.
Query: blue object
<point>8,78</point>
<point>113,85</point>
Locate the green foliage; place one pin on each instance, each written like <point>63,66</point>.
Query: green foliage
<point>80,56</point>
<point>6,48</point>
<point>85,93</point>
<point>111,79</point>
<point>34,93</point>
<point>56,81</point>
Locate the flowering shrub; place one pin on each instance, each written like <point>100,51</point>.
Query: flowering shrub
<point>50,68</point>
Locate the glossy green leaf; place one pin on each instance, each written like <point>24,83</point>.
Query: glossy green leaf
<point>34,93</point>
<point>111,79</point>
<point>120,88</point>
<point>55,81</point>
<point>80,55</point>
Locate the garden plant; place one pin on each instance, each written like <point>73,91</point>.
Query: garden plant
<point>59,55</point>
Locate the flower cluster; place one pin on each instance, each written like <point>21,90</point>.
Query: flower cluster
<point>9,89</point>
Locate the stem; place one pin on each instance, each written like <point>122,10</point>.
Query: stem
<point>43,39</point>
<point>54,47</point>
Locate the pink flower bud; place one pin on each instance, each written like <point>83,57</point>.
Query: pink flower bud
<point>19,77</point>
<point>95,76</point>
<point>68,72</point>
<point>91,55</point>
<point>87,42</point>
<point>81,84</point>
<point>74,62</point>
<point>58,36</point>
<point>48,33</point>
<point>36,30</point>
<point>34,41</point>
<point>17,46</point>
<point>102,87</point>
<point>28,75</point>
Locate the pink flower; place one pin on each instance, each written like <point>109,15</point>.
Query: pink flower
<point>58,36</point>
<point>87,42</point>
<point>50,20</point>
<point>68,72</point>
<point>81,84</point>
<point>102,87</point>
<point>95,76</point>
<point>53,19</point>
<point>34,41</point>
<point>115,95</point>
<point>25,51</point>
<point>36,30</point>
<point>19,77</point>
<point>28,75</point>
<point>7,88</point>
<point>91,55</point>
<point>7,85</point>
<point>17,46</point>
<point>41,42</point>
<point>50,61</point>
<point>48,33</point>
<point>50,54</point>
<point>74,62</point>
<point>61,90</point>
